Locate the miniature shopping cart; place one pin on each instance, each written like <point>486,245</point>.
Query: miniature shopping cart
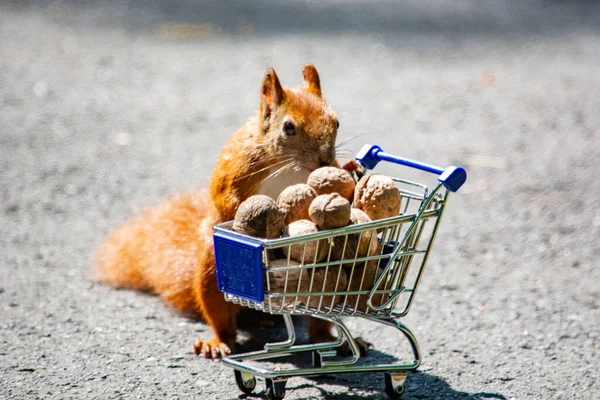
<point>247,277</point>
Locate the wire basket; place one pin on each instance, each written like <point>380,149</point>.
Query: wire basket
<point>262,274</point>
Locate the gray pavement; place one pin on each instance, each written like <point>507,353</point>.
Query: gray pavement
<point>107,106</point>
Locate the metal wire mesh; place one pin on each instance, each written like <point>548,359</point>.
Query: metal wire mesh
<point>358,263</point>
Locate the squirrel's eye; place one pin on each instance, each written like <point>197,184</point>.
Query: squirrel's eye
<point>289,128</point>
<point>338,124</point>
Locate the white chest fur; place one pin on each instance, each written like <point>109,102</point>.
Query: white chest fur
<point>274,185</point>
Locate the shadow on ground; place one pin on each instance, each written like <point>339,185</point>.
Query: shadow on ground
<point>419,385</point>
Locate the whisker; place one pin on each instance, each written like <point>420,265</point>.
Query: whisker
<point>281,170</point>
<point>360,135</point>
<point>271,175</point>
<point>344,154</point>
<point>264,159</point>
<point>266,168</point>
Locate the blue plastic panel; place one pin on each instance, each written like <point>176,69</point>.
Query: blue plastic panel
<point>453,178</point>
<point>239,266</point>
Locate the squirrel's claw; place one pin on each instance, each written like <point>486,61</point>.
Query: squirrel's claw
<point>214,348</point>
<point>363,347</point>
<point>353,166</point>
<point>320,336</point>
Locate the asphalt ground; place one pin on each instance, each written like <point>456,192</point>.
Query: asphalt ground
<point>108,106</point>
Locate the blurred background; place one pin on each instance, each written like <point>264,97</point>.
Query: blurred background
<point>108,106</point>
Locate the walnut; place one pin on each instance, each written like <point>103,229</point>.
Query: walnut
<point>298,280</point>
<point>309,252</point>
<point>363,278</point>
<point>259,216</point>
<point>331,279</point>
<point>355,245</point>
<point>327,180</point>
<point>377,196</point>
<point>295,200</point>
<point>330,211</point>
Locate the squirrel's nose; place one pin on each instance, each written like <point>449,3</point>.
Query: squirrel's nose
<point>326,155</point>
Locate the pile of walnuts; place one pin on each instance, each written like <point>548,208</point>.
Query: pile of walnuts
<point>330,199</point>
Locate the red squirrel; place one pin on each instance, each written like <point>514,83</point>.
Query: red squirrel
<point>169,249</point>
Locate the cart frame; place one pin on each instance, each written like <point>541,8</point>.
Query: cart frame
<point>246,276</point>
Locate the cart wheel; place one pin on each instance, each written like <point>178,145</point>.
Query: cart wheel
<point>245,381</point>
<point>394,384</point>
<point>275,389</point>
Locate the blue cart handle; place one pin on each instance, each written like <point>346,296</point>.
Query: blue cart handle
<point>452,177</point>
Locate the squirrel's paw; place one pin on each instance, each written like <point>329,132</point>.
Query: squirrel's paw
<point>214,348</point>
<point>363,347</point>
<point>353,166</point>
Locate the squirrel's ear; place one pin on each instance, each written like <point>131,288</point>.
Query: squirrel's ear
<point>312,83</point>
<point>271,93</point>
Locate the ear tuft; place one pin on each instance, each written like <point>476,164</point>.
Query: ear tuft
<point>312,83</point>
<point>271,92</point>
<point>271,97</point>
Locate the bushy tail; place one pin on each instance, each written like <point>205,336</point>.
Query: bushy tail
<point>157,251</point>
<point>118,258</point>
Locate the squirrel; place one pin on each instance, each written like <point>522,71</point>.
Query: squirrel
<point>168,250</point>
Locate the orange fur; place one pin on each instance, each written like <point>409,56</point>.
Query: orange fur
<point>157,251</point>
<point>169,251</point>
